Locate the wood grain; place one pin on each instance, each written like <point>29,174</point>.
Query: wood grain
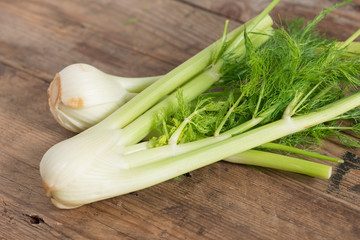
<point>59,36</point>
<point>340,24</point>
<point>221,201</point>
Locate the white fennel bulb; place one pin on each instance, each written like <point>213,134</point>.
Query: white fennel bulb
<point>81,95</point>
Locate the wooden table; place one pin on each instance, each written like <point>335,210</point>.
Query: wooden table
<point>137,38</point>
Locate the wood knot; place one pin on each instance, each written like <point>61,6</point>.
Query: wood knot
<point>231,10</point>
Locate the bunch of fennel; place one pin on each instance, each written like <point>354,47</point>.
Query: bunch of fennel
<point>105,160</point>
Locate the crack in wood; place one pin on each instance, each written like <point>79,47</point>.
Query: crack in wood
<point>351,162</point>
<point>199,7</point>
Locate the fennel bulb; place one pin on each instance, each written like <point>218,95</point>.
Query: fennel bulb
<point>81,95</point>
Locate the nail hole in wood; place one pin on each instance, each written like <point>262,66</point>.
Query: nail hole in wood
<point>34,219</point>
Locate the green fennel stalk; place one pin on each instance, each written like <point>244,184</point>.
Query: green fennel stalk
<point>183,73</point>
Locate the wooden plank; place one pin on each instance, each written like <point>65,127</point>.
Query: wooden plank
<point>55,42</point>
<point>59,36</point>
<point>221,201</point>
<point>340,24</point>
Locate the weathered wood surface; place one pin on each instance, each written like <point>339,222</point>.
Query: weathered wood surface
<point>221,201</point>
